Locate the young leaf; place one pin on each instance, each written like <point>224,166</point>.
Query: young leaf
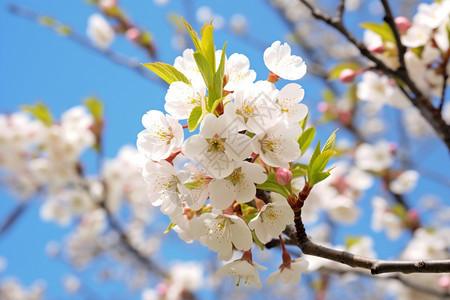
<point>318,177</point>
<point>194,36</point>
<point>299,170</point>
<point>306,138</point>
<point>303,122</point>
<point>205,69</point>
<point>382,30</point>
<point>321,161</point>
<point>195,118</point>
<point>273,186</point>
<point>218,82</point>
<point>335,72</point>
<point>167,72</point>
<point>208,49</point>
<point>329,145</point>
<point>95,107</point>
<point>313,158</point>
<point>40,112</point>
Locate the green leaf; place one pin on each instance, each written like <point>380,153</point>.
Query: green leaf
<point>218,82</point>
<point>170,227</point>
<point>257,241</point>
<point>306,138</point>
<point>351,241</point>
<point>335,72</point>
<point>167,72</point>
<point>321,161</point>
<point>382,30</point>
<point>318,177</point>
<point>313,158</point>
<point>193,185</point>
<point>329,145</point>
<point>208,48</point>
<point>40,112</point>
<point>205,69</point>
<point>329,96</point>
<point>273,186</point>
<point>399,210</point>
<point>303,122</point>
<point>299,170</point>
<point>194,36</point>
<point>95,107</point>
<point>195,118</point>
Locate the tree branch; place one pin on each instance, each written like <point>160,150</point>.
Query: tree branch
<point>13,217</point>
<point>83,41</point>
<point>376,266</point>
<point>115,225</point>
<point>389,19</point>
<point>407,283</point>
<point>418,99</point>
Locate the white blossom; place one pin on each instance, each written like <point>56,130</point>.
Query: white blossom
<point>182,98</point>
<point>239,185</point>
<point>162,135</point>
<point>218,145</point>
<point>242,270</point>
<point>271,220</point>
<point>278,145</point>
<point>376,157</point>
<point>99,31</point>
<point>405,182</point>
<point>222,231</point>
<point>291,274</point>
<point>278,60</point>
<point>237,72</point>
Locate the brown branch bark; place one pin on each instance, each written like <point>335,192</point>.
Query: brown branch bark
<point>405,282</point>
<point>376,266</point>
<point>81,40</point>
<point>147,262</point>
<point>13,217</point>
<point>417,98</point>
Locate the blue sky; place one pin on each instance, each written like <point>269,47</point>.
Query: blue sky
<point>37,64</point>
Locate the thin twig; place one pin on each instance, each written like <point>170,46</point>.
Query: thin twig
<point>418,99</point>
<point>13,217</point>
<point>389,19</point>
<point>83,41</point>
<point>407,283</point>
<point>341,9</point>
<point>115,225</point>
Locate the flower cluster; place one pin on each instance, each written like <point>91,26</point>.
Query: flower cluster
<point>207,183</point>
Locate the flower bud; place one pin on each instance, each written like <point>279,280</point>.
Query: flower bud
<point>376,49</point>
<point>347,75</point>
<point>444,282</point>
<point>403,24</point>
<point>323,107</point>
<point>133,34</point>
<point>283,176</point>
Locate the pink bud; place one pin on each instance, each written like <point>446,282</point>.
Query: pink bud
<point>347,75</point>
<point>323,107</point>
<point>393,147</point>
<point>133,34</point>
<point>403,24</point>
<point>444,282</point>
<point>283,176</point>
<point>413,215</point>
<point>161,288</point>
<point>376,49</point>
